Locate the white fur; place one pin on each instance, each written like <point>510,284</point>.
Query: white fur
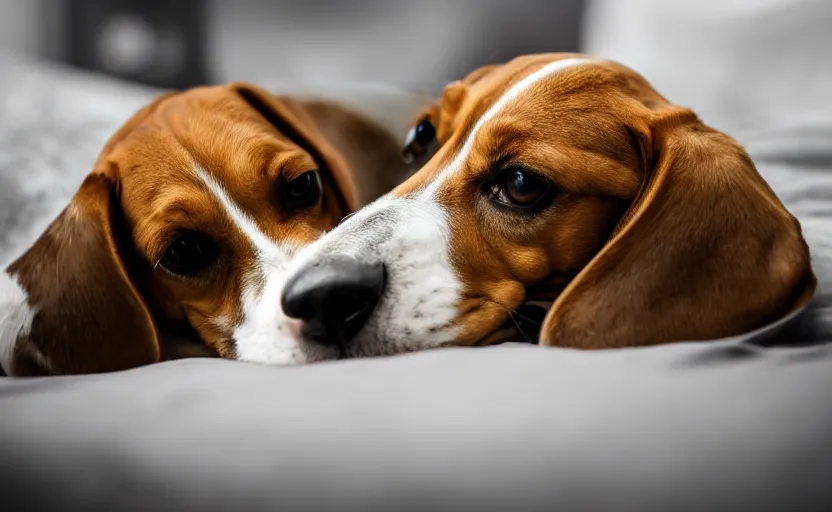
<point>263,244</point>
<point>418,306</point>
<point>265,334</point>
<point>411,236</point>
<point>422,288</point>
<point>15,318</point>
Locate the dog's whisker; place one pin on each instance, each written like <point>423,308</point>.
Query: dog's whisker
<point>527,318</point>
<point>520,328</point>
<point>515,312</point>
<point>512,314</point>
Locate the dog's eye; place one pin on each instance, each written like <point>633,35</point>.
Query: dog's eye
<point>189,253</point>
<point>301,191</point>
<point>520,188</point>
<point>424,133</point>
<point>418,140</point>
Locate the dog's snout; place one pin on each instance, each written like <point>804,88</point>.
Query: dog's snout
<point>335,298</point>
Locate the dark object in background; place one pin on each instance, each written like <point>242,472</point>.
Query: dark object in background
<point>193,42</point>
<point>155,42</point>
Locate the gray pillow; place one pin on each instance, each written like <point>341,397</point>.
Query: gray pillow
<point>702,426</point>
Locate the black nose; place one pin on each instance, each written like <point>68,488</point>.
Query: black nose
<point>334,297</point>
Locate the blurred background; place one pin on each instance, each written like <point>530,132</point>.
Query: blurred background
<point>724,58</point>
<point>189,42</point>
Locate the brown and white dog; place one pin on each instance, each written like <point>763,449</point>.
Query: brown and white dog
<point>563,179</point>
<point>189,219</point>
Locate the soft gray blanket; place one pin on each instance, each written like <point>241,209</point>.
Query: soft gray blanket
<point>732,424</point>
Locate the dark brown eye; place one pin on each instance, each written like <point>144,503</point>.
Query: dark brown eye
<point>520,188</point>
<point>302,191</point>
<point>424,133</point>
<point>189,253</point>
<point>418,140</point>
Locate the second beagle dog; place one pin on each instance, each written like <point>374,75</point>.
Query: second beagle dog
<point>186,224</point>
<point>565,181</point>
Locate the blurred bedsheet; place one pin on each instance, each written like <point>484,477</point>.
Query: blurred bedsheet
<point>731,424</point>
<point>53,123</point>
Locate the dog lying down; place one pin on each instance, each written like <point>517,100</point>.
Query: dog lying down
<point>184,229</point>
<point>561,180</point>
<point>556,181</point>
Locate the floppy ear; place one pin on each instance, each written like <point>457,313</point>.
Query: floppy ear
<point>706,250</point>
<point>290,118</point>
<point>88,315</point>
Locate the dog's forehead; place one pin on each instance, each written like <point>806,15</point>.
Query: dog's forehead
<point>218,127</point>
<point>207,160</point>
<point>519,78</point>
<point>508,91</point>
<point>208,129</point>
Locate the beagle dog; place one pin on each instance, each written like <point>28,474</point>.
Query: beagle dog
<point>183,231</point>
<point>567,202</point>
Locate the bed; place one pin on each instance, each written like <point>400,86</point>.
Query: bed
<point>732,424</point>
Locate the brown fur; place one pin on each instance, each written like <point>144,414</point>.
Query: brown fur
<point>662,229</point>
<point>102,304</point>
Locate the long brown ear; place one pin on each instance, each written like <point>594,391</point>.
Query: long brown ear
<point>88,315</point>
<point>705,251</point>
<point>290,119</point>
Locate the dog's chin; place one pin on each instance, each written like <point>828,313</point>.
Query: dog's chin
<point>316,352</point>
<point>363,348</point>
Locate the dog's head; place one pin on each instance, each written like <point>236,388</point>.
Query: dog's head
<point>560,181</point>
<point>189,218</point>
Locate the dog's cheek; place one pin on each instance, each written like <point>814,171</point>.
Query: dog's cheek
<point>215,333</point>
<point>482,321</point>
<point>526,265</point>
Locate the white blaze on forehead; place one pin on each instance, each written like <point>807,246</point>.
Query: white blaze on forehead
<point>265,334</point>
<point>265,246</point>
<point>514,92</point>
